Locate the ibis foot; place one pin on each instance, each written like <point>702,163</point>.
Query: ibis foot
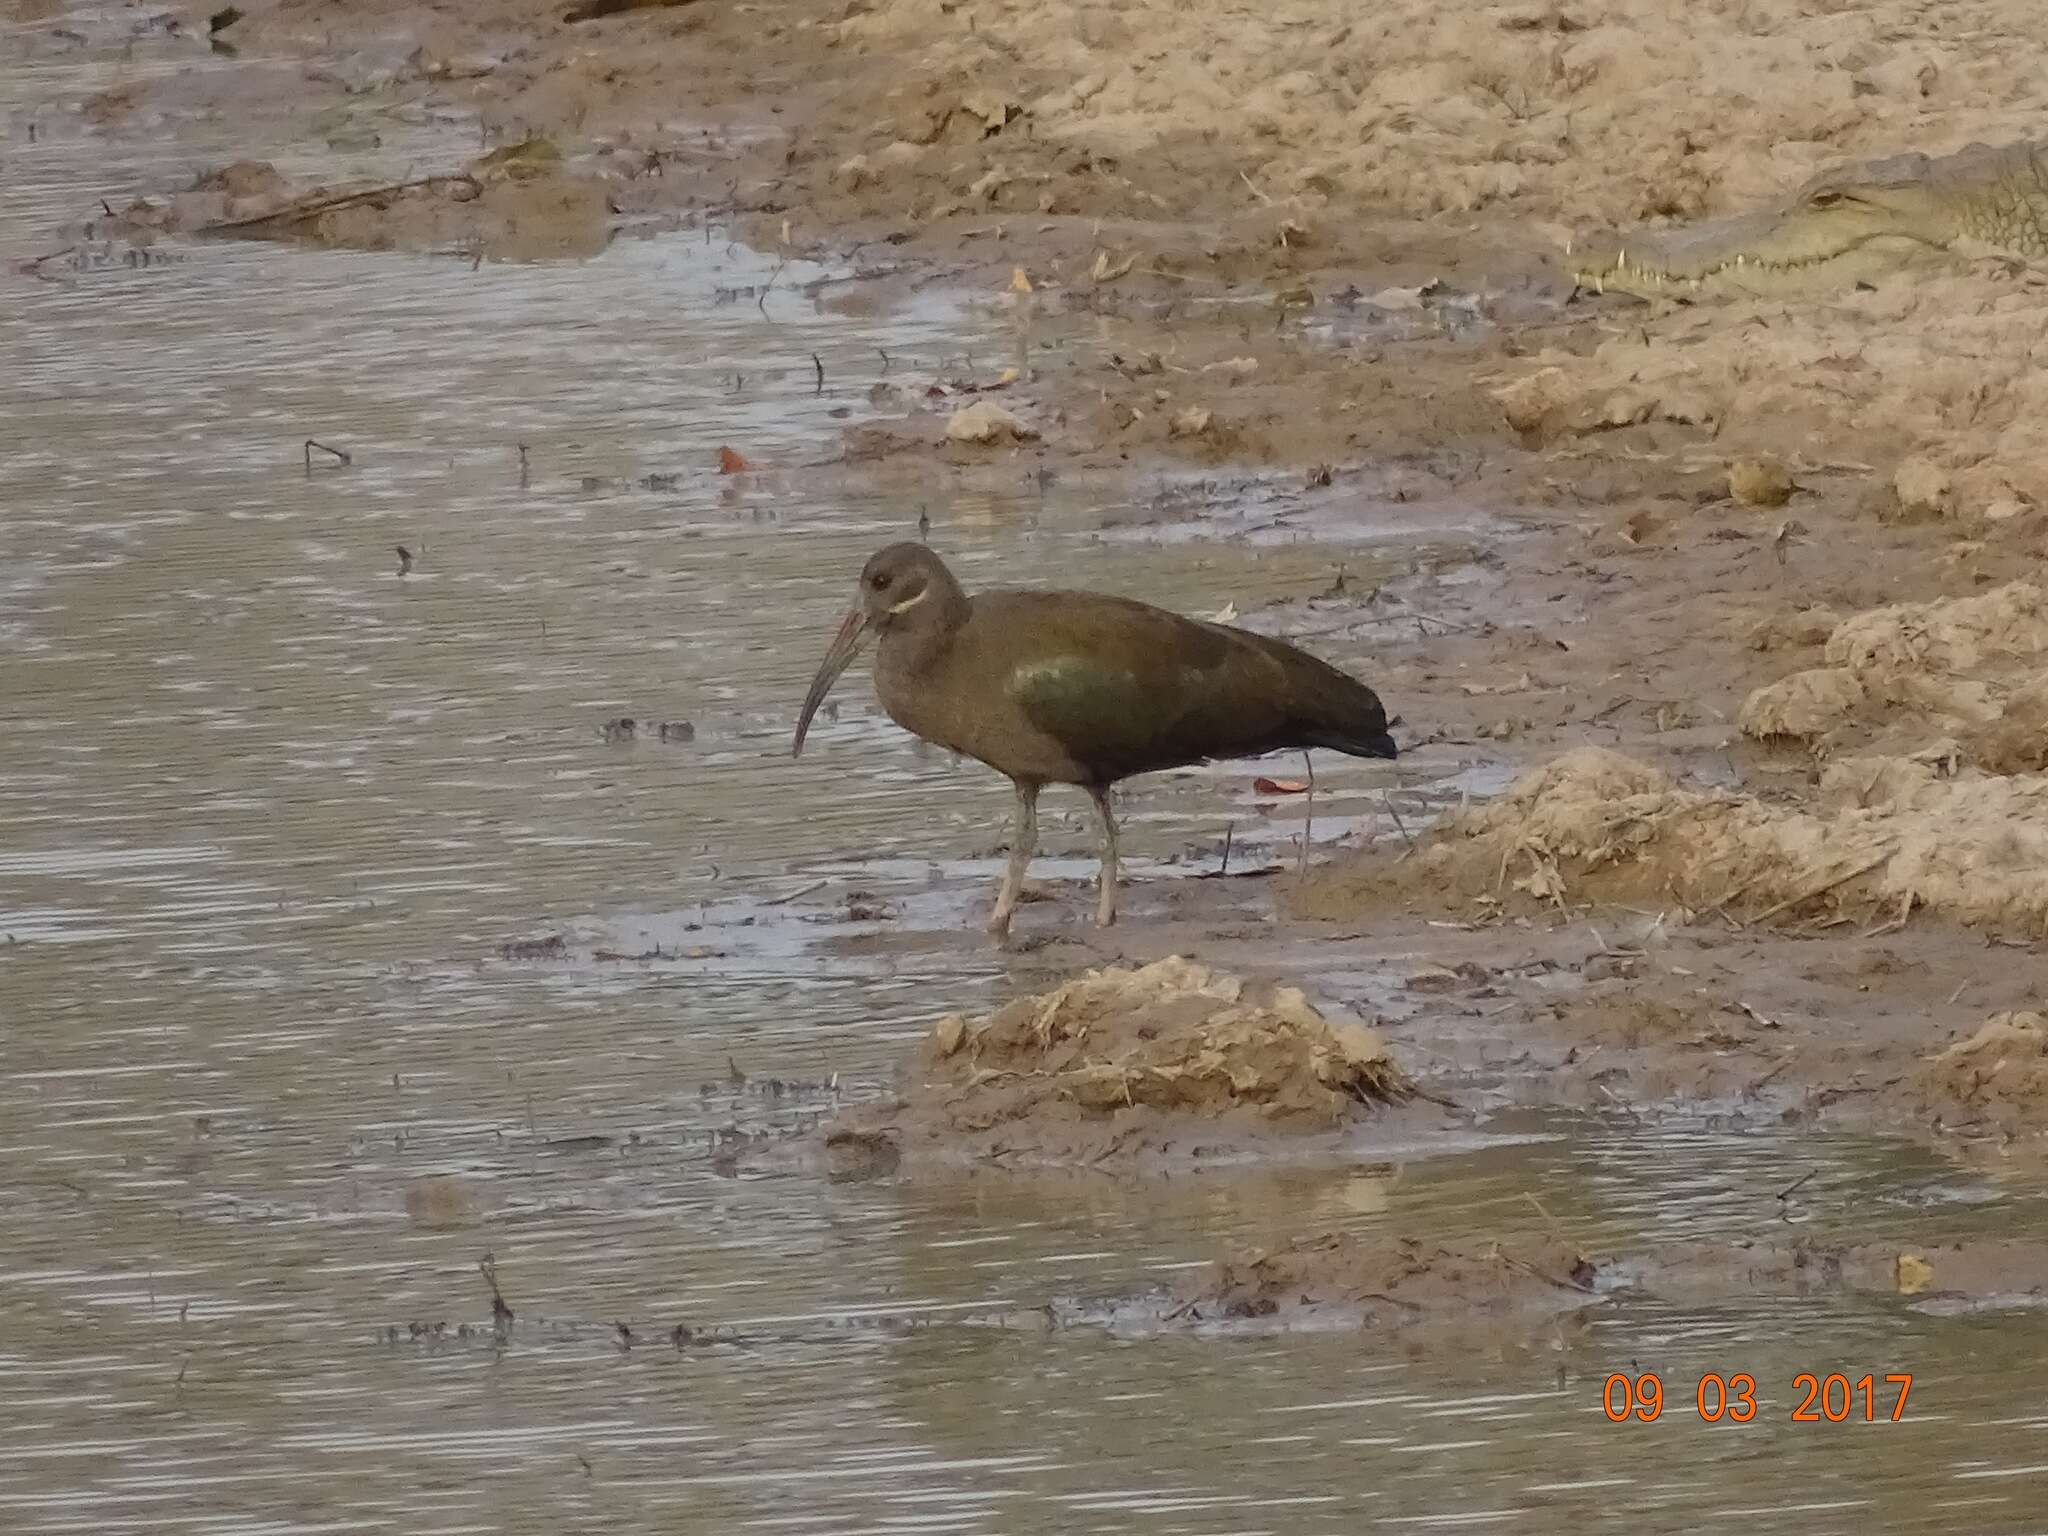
<point>1023,843</point>
<point>1105,907</point>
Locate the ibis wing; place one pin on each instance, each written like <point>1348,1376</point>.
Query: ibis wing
<point>1133,688</point>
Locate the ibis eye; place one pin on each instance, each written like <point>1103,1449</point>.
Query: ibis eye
<point>878,582</point>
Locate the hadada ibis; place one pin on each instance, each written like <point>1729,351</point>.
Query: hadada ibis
<point>1081,688</point>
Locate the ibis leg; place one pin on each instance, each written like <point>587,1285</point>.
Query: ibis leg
<point>1023,843</point>
<point>1105,909</point>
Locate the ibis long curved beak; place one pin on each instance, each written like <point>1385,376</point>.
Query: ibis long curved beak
<point>845,646</point>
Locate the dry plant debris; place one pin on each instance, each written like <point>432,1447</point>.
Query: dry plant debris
<point>1972,665</point>
<point>1173,1036</point>
<point>1890,834</point>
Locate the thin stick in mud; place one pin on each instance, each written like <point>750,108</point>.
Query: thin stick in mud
<point>761,299</point>
<point>312,206</point>
<point>341,454</point>
<point>1308,820</point>
<point>1821,888</point>
<point>501,1311</point>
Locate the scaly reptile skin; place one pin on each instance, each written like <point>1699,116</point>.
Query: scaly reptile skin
<point>1848,225</point>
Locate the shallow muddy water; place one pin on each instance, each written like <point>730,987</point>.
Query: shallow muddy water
<point>270,1088</point>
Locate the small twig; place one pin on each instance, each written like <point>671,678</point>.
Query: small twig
<point>1387,798</point>
<point>1757,1083</point>
<point>1308,821</point>
<point>338,453</point>
<point>300,213</point>
<point>1418,618</point>
<point>1255,189</point>
<point>35,264</point>
<point>789,896</point>
<point>523,470</point>
<point>1556,1231</point>
<point>1228,831</point>
<point>818,363</point>
<point>1530,1269</point>
<point>1905,916</point>
<point>1794,1187</point>
<point>1823,887</point>
<point>761,299</point>
<point>501,1312</point>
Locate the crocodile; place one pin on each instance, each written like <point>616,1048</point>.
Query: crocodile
<point>1848,225</point>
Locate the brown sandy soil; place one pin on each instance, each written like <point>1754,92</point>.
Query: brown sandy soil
<point>1772,554</point>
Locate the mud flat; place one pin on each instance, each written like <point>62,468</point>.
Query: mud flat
<point>1401,1285</point>
<point>1753,619</point>
<point>1520,1292</point>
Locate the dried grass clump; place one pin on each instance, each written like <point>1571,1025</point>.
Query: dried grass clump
<point>1892,834</point>
<point>1173,1036</point>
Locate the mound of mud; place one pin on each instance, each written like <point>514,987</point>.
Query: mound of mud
<point>1400,1283</point>
<point>1893,834</point>
<point>1173,1035</point>
<point>1118,1060</point>
<point>519,202</point>
<point>1971,666</point>
<point>1996,1079</point>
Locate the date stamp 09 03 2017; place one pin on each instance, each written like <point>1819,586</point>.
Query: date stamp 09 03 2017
<point>1831,1399</point>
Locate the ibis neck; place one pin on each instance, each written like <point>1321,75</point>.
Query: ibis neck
<point>914,645</point>
<point>924,631</point>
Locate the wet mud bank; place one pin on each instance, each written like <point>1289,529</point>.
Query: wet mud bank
<point>1521,1282</point>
